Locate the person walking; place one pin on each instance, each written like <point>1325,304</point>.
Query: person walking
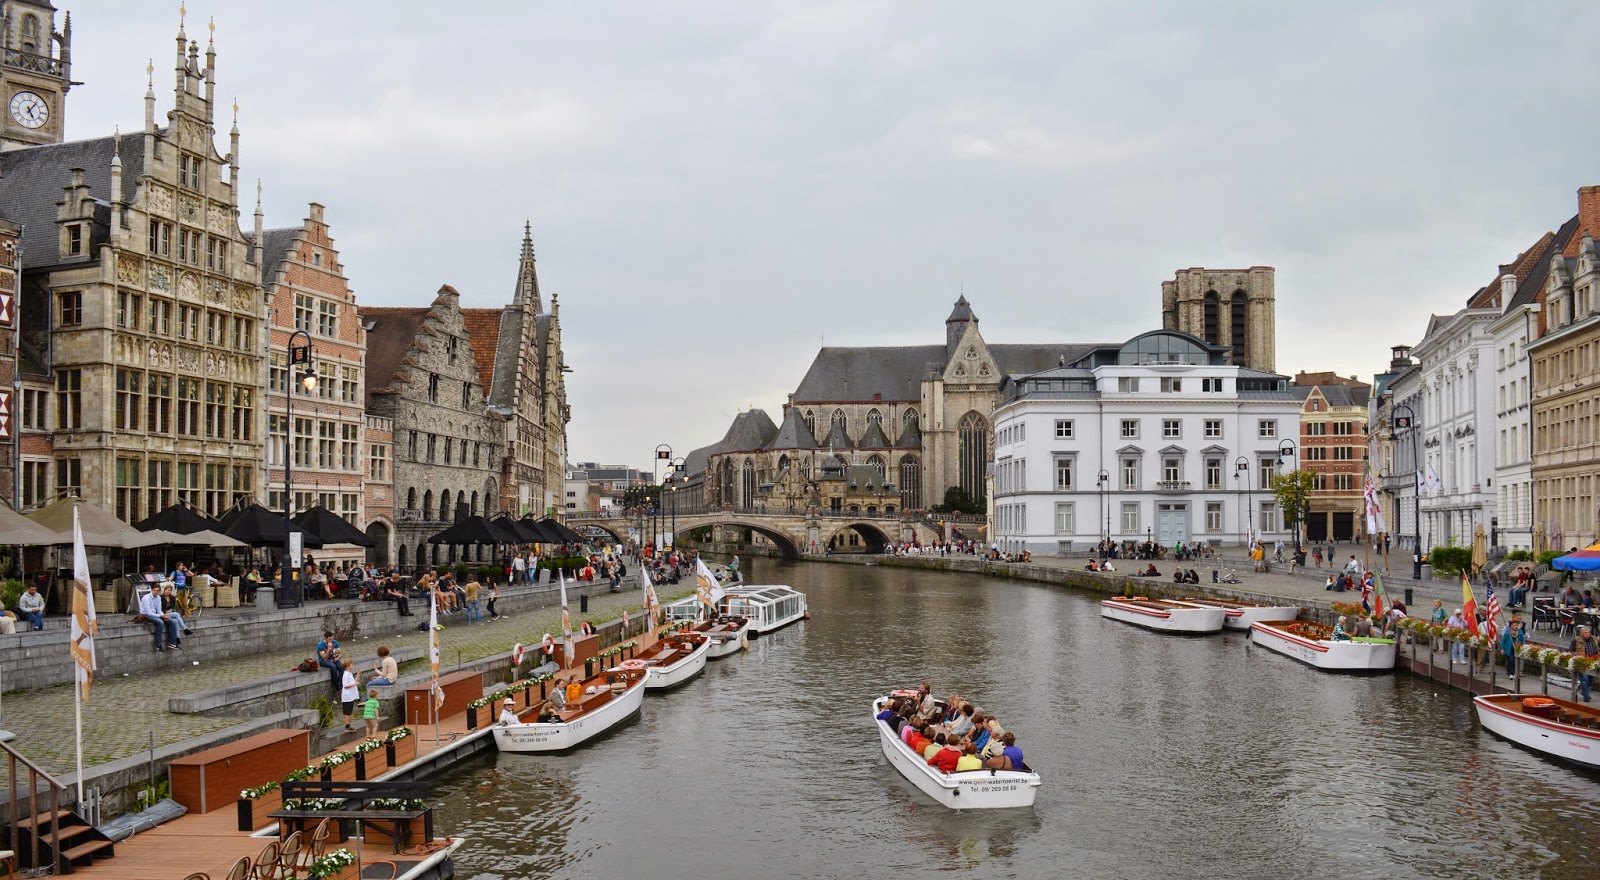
<point>1587,645</point>
<point>494,593</point>
<point>474,613</point>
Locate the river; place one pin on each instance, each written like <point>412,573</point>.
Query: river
<point>1162,756</point>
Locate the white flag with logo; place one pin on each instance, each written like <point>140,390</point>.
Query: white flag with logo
<point>706,585</point>
<point>652,605</point>
<point>566,624</point>
<point>84,627</point>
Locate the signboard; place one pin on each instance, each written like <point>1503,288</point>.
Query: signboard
<point>295,539</point>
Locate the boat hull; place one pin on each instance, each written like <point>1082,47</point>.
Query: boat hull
<point>1376,655</point>
<point>1547,736</point>
<point>1177,620</point>
<point>727,644</point>
<point>972,790</point>
<point>1242,617</point>
<point>561,736</point>
<point>665,678</point>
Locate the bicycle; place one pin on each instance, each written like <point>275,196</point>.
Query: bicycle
<point>183,603</point>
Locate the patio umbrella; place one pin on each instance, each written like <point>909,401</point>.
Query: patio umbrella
<point>1587,559</point>
<point>1557,536</point>
<point>257,526</point>
<point>567,536</point>
<point>180,519</point>
<point>512,527</point>
<point>472,530</point>
<point>18,529</point>
<point>531,526</point>
<point>100,527</point>
<point>331,527</point>
<point>209,538</point>
<point>1538,537</point>
<point>1480,549</point>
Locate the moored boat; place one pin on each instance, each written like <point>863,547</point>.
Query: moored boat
<point>770,607</point>
<point>598,704</point>
<point>1559,728</point>
<point>1312,643</point>
<point>673,660</point>
<point>1162,615</point>
<point>969,790</point>
<point>1240,615</point>
<point>728,635</point>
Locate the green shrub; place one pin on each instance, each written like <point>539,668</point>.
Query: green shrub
<point>11,590</point>
<point>571,562</point>
<point>461,571</point>
<point>1519,556</point>
<point>1451,560</point>
<point>485,572</point>
<point>1548,556</point>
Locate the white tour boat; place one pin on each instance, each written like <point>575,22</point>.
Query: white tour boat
<point>1162,615</point>
<point>1312,643</point>
<point>728,635</point>
<point>1559,728</point>
<point>1240,615</point>
<point>768,608</point>
<point>596,705</point>
<point>969,790</point>
<point>673,660</point>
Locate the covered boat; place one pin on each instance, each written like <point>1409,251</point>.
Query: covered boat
<point>1558,728</point>
<point>1312,643</point>
<point>768,608</point>
<point>585,710</point>
<point>1161,615</point>
<point>673,660</point>
<point>969,790</point>
<point>1240,615</point>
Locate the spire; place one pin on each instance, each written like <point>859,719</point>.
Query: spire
<point>255,249</point>
<point>528,275</point>
<point>211,72</point>
<point>181,67</point>
<point>149,116</point>
<point>233,157</point>
<point>116,179</point>
<point>956,325</point>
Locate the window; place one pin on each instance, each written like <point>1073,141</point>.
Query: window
<point>316,259</point>
<point>349,384</point>
<point>1211,385</point>
<point>1171,384</point>
<point>1064,474</point>
<point>378,463</point>
<point>1317,429</point>
<point>216,489</point>
<point>450,449</point>
<point>216,410</point>
<point>69,476</point>
<point>1267,428</point>
<point>466,395</point>
<point>189,483</point>
<point>158,488</point>
<point>217,254</point>
<point>328,318</point>
<point>304,309</point>
<point>1171,470</point>
<point>277,373</point>
<point>1063,429</point>
<point>189,170</point>
<point>303,442</point>
<point>244,413</point>
<point>130,383</point>
<point>1344,453</point>
<point>160,239</point>
<point>1130,517</point>
<point>1213,473</point>
<point>433,387</point>
<point>216,328</point>
<point>1343,429</point>
<point>1213,428</point>
<point>128,494</point>
<point>69,401</point>
<point>189,407</point>
<point>1267,468</point>
<point>1128,384</point>
<point>35,406</point>
<point>1270,517</point>
<point>189,322</point>
<point>1130,473</point>
<point>244,334</point>
<point>277,428</point>
<point>1315,453</point>
<point>159,317</point>
<point>327,384</point>
<point>35,482</point>
<point>128,309</point>
<point>327,445</point>
<point>1064,524</point>
<point>1171,428</point>
<point>188,247</point>
<point>1214,517</point>
<point>432,446</point>
<point>411,448</point>
<point>71,311</point>
<point>450,350</point>
<point>244,482</point>
<point>1130,428</point>
<point>75,239</point>
<point>1316,406</point>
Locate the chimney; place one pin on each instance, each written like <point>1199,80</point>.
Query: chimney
<point>1508,290</point>
<point>1589,211</point>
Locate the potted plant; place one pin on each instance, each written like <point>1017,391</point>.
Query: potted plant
<point>339,767</point>
<point>472,712</point>
<point>341,864</point>
<point>362,750</point>
<point>401,746</point>
<point>416,827</point>
<point>256,803</point>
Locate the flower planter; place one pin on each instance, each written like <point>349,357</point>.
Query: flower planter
<point>382,833</point>
<point>361,767</point>
<point>348,872</point>
<point>345,772</point>
<point>253,811</point>
<point>402,751</point>
<point>472,718</point>
<point>527,698</point>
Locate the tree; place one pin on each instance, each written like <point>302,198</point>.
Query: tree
<point>1293,490</point>
<point>957,500</point>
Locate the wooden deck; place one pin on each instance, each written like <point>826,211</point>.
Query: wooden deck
<point>213,842</point>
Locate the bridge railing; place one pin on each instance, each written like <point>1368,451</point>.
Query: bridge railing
<point>918,516</point>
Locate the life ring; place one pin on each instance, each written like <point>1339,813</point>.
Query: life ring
<point>634,664</point>
<point>1537,702</point>
<point>549,644</point>
<point>516,654</point>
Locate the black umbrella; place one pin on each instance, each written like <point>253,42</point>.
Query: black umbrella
<point>331,527</point>
<point>567,536</point>
<point>472,530</point>
<point>524,534</point>
<point>532,527</point>
<point>179,519</point>
<point>259,527</point>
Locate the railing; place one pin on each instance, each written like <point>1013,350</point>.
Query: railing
<point>36,63</point>
<point>34,775</point>
<point>1172,485</point>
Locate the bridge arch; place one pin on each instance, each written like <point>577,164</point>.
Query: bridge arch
<point>873,537</point>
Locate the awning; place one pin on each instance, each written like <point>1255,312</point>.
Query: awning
<point>331,527</point>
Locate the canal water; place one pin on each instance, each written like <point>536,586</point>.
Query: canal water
<point>1162,757</point>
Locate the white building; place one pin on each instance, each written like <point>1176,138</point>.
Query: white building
<point>1156,439</point>
<point>1513,473</point>
<point>1457,424</point>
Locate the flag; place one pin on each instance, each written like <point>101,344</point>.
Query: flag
<point>1375,523</point>
<point>433,650</point>
<point>1434,485</point>
<point>1419,481</point>
<point>652,606</point>
<point>1469,605</point>
<point>1492,622</point>
<point>566,624</point>
<point>1379,598</point>
<point>1366,596</point>
<point>84,627</point>
<point>706,586</point>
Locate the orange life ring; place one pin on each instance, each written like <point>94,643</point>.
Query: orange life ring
<point>1537,702</point>
<point>634,664</point>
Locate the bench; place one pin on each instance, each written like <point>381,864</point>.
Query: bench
<point>197,702</point>
<point>396,824</point>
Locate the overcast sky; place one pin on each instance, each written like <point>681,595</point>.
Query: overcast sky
<point>717,188</point>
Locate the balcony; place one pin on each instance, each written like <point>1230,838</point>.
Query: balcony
<point>1172,485</point>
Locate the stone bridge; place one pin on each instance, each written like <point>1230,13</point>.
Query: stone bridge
<point>793,533</point>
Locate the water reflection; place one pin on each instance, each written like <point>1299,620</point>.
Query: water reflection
<point>1191,757</point>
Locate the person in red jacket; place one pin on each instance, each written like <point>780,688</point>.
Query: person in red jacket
<point>917,741</point>
<point>945,759</point>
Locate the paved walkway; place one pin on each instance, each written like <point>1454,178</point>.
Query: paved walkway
<point>127,711</point>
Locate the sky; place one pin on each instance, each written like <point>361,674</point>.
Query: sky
<point>718,188</point>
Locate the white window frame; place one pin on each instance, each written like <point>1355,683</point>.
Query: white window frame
<point>1066,518</point>
<point>1064,429</point>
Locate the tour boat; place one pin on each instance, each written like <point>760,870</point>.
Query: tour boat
<point>1161,615</point>
<point>1312,643</point>
<point>673,660</point>
<point>1240,615</point>
<point>768,608</point>
<point>728,635</point>
<point>601,702</point>
<point>968,790</point>
<point>1559,728</point>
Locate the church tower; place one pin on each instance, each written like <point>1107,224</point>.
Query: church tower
<point>35,73</point>
<point>1233,308</point>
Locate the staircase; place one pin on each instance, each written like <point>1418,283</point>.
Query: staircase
<point>45,835</point>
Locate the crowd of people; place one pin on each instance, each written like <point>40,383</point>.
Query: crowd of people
<point>952,735</point>
<point>1144,551</point>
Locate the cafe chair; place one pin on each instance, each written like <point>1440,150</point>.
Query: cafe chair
<point>266,867</point>
<point>240,869</point>
<point>1564,618</point>
<point>291,856</point>
<point>1544,611</point>
<point>319,841</point>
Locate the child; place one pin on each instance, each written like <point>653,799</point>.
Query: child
<point>369,712</point>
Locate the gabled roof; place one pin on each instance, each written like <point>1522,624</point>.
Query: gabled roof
<point>838,437</point>
<point>895,373</point>
<point>910,436</point>
<point>275,245</point>
<point>873,437</point>
<point>31,181</point>
<point>751,430</point>
<point>962,311</point>
<point>393,333</point>
<point>484,333</point>
<point>793,433</point>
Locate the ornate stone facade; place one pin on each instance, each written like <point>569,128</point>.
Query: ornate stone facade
<point>35,74</point>
<point>1233,308</point>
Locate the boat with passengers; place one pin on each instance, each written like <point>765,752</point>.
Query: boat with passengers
<point>577,712</point>
<point>1312,643</point>
<point>1558,728</point>
<point>1240,615</point>
<point>672,660</point>
<point>1158,614</point>
<point>966,790</point>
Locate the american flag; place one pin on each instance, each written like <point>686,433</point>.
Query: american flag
<point>1493,611</point>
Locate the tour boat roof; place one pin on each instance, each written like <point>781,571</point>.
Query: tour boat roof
<point>762,593</point>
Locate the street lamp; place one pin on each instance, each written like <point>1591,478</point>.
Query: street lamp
<point>1408,423</point>
<point>1286,450</point>
<point>1241,474</point>
<point>1103,479</point>
<point>299,357</point>
<point>663,454</point>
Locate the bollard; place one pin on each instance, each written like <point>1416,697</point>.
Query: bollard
<point>1408,597</point>
<point>588,668</point>
<point>1214,578</point>
<point>583,604</point>
<point>542,694</point>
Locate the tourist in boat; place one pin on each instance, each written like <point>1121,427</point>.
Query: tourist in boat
<point>926,704</point>
<point>1339,634</point>
<point>996,743</point>
<point>963,723</point>
<point>933,747</point>
<point>948,756</point>
<point>1363,627</point>
<point>917,739</point>
<point>508,713</point>
<point>903,720</point>
<point>1009,756</point>
<point>889,712</point>
<point>1586,645</point>
<point>969,758</point>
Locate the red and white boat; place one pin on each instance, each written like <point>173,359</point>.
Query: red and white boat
<point>1312,643</point>
<point>595,705</point>
<point>967,790</point>
<point>728,635</point>
<point>1240,615</point>
<point>1558,728</point>
<point>1158,614</point>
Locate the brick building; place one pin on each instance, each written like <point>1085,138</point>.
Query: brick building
<point>1333,446</point>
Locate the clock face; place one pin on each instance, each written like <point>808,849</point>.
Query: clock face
<point>29,110</point>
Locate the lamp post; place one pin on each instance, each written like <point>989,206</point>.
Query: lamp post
<point>1241,474</point>
<point>299,357</point>
<point>1408,423</point>
<point>1286,449</point>
<point>1103,479</point>
<point>663,454</point>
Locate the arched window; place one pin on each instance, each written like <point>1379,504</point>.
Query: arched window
<point>491,492</point>
<point>411,498</point>
<point>973,457</point>
<point>747,485</point>
<point>427,504</point>
<point>805,468</point>
<point>838,418</point>
<point>874,417</point>
<point>403,556</point>
<point>1211,328</point>
<point>30,33</point>
<point>473,510</point>
<point>445,513</point>
<point>783,463</point>
<point>840,462</point>
<point>811,422</point>
<point>909,418</point>
<point>1236,327</point>
<point>910,483</point>
<point>725,493</point>
<point>877,463</point>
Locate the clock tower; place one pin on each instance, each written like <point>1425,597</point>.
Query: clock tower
<point>35,73</point>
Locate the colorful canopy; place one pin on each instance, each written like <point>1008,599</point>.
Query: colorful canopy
<point>1587,559</point>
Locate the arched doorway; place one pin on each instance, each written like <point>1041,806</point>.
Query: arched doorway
<point>379,553</point>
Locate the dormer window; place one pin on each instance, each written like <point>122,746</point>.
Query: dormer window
<point>74,240</point>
